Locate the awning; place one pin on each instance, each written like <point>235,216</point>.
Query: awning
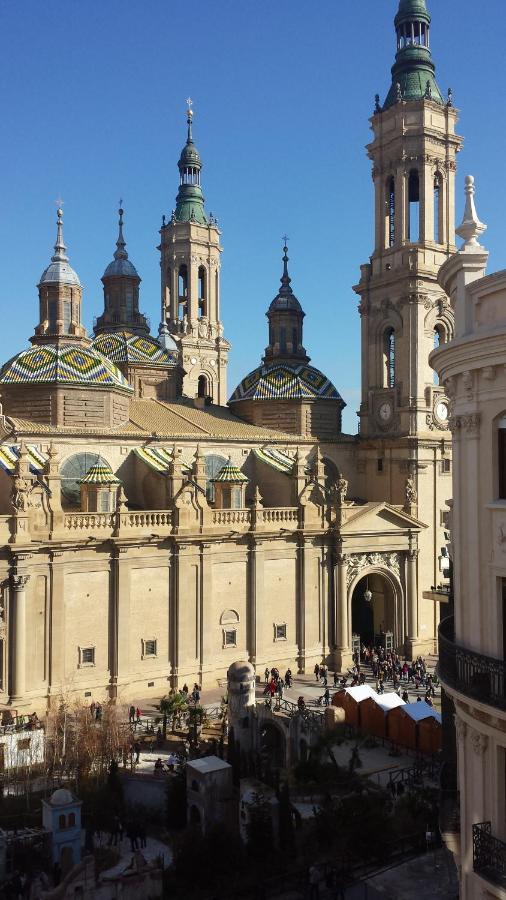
<point>159,459</point>
<point>9,456</point>
<point>275,458</point>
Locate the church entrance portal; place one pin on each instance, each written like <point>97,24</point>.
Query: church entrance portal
<point>372,609</point>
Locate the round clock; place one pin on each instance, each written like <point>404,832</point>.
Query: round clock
<point>193,360</point>
<point>441,411</point>
<point>385,411</point>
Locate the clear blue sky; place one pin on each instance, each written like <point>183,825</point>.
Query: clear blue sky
<point>93,109</point>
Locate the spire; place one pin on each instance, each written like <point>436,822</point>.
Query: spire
<point>285,315</point>
<point>190,200</point>
<point>285,278</point>
<point>120,243</point>
<point>471,227</point>
<point>60,250</point>
<point>413,73</point>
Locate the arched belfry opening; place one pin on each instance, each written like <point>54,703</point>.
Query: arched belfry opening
<point>413,207</point>
<point>203,387</point>
<point>373,610</point>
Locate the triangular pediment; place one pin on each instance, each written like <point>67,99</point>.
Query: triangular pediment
<point>374,517</point>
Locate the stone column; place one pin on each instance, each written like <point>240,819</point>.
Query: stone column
<point>255,596</point>
<point>18,635</point>
<point>412,591</point>
<point>206,628</point>
<point>343,652</point>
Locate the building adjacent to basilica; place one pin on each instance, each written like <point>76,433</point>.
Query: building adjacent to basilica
<point>473,641</point>
<point>149,534</point>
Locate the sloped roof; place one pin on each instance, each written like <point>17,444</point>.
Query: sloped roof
<point>422,710</point>
<point>231,473</point>
<point>183,419</point>
<point>100,473</point>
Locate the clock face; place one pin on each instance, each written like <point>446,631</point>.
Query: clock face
<point>441,412</point>
<point>385,411</point>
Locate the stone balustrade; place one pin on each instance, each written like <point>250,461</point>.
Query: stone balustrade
<point>286,516</point>
<point>79,522</point>
<point>236,517</point>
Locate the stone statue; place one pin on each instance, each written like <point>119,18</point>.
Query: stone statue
<point>341,490</point>
<point>202,329</point>
<point>410,491</point>
<point>209,331</point>
<point>185,324</point>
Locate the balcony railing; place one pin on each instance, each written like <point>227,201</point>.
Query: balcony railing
<point>489,854</point>
<point>481,677</point>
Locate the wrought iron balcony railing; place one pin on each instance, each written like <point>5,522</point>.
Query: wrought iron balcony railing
<point>489,854</point>
<point>481,677</point>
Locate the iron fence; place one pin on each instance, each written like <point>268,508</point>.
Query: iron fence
<point>478,676</point>
<point>489,854</point>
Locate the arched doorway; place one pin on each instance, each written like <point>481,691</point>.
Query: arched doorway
<point>272,745</point>
<point>373,609</point>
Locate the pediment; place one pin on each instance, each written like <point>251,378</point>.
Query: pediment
<point>379,517</point>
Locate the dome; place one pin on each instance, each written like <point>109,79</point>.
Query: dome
<point>119,267</point>
<point>286,381</point>
<point>61,797</point>
<point>189,156</point>
<point>242,670</point>
<point>285,302</point>
<point>128,347</point>
<point>59,272</point>
<point>412,10</point>
<point>62,363</point>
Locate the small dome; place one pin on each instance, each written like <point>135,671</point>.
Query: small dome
<point>128,347</point>
<point>120,267</point>
<point>189,156</point>
<point>242,670</point>
<point>285,302</point>
<point>61,797</point>
<point>62,363</point>
<point>59,272</point>
<point>286,381</point>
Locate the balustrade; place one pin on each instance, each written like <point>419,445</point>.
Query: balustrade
<point>489,854</point>
<point>478,676</point>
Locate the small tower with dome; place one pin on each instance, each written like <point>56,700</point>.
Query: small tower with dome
<point>61,816</point>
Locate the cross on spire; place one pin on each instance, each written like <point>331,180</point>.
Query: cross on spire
<point>59,202</point>
<point>285,239</point>
<point>120,201</point>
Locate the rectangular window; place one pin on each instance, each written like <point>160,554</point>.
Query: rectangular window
<point>66,316</point>
<point>280,632</point>
<point>149,647</point>
<point>230,637</point>
<point>86,656</point>
<point>502,463</point>
<point>380,465</point>
<point>105,501</point>
<point>24,744</point>
<point>51,315</point>
<point>446,466</point>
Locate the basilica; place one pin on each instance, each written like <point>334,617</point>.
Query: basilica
<point>156,526</point>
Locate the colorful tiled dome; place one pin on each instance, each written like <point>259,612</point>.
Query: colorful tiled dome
<point>63,363</point>
<point>100,473</point>
<point>128,347</point>
<point>286,381</point>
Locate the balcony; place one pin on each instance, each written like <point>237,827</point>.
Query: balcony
<point>483,678</point>
<point>489,854</point>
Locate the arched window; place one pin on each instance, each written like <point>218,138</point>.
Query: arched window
<point>202,386</point>
<point>202,285</point>
<point>72,820</point>
<point>389,357</point>
<point>213,463</point>
<point>414,207</point>
<point>282,339</point>
<point>439,338</point>
<point>438,224</point>
<point>62,822</point>
<point>390,212</point>
<point>182,289</point>
<point>73,469</point>
<point>295,340</point>
<point>332,473</point>
<point>51,315</point>
<point>229,617</point>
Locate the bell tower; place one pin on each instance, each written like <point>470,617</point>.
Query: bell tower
<point>190,282</point>
<point>404,312</point>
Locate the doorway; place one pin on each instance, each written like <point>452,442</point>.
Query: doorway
<point>373,609</point>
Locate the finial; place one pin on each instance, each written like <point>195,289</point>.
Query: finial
<point>60,250</point>
<point>189,117</point>
<point>120,243</point>
<point>471,227</point>
<point>377,105</point>
<point>449,102</point>
<point>398,92</point>
<point>428,91</point>
<point>163,221</point>
<point>285,278</point>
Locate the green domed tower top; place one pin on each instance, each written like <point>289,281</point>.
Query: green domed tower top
<point>413,73</point>
<point>190,200</point>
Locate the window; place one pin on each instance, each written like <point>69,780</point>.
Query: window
<point>104,501</point>
<point>236,498</point>
<point>414,207</point>
<point>202,387</point>
<point>182,290</point>
<point>66,316</point>
<point>280,632</point>
<point>129,298</point>
<point>51,315</point>
<point>148,648</point>
<point>229,617</point>
<point>62,822</point>
<point>380,465</point>
<point>86,656</point>
<point>24,744</point>
<point>202,284</point>
<point>72,820</point>
<point>214,463</point>
<point>72,470</point>
<point>230,637</point>
<point>502,459</point>
<point>446,466</point>
<point>389,357</point>
<point>390,213</point>
<point>437,210</point>
<point>282,340</point>
<point>295,340</point>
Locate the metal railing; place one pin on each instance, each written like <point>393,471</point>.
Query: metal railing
<point>478,676</point>
<point>489,854</point>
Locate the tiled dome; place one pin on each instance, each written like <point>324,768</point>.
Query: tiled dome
<point>62,363</point>
<point>128,347</point>
<point>286,381</point>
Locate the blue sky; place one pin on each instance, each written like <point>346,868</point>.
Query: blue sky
<point>93,109</point>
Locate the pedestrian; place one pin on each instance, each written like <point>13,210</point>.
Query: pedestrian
<point>288,678</point>
<point>314,883</point>
<point>131,833</point>
<point>137,751</point>
<point>326,697</point>
<point>131,714</point>
<point>185,689</point>
<point>98,712</point>
<point>266,676</point>
<point>336,679</point>
<point>141,830</point>
<point>279,689</point>
<point>317,672</point>
<point>92,709</point>
<point>138,714</point>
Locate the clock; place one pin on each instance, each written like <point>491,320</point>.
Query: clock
<point>385,411</point>
<point>441,412</point>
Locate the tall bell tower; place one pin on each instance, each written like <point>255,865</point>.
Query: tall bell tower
<point>404,312</point>
<point>190,282</point>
